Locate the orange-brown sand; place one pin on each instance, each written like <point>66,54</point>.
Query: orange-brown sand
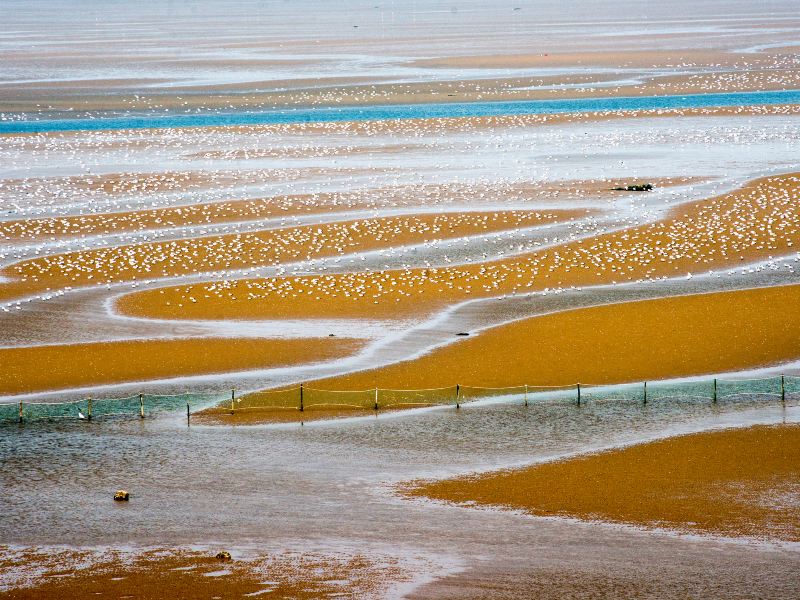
<point>758,221</point>
<point>635,341</point>
<point>260,248</point>
<point>193,575</point>
<point>736,482</point>
<point>41,368</point>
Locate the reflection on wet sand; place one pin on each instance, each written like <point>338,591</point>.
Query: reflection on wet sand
<point>739,482</point>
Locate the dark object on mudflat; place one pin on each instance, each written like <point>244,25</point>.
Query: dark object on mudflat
<point>462,333</point>
<point>122,496</point>
<point>637,187</point>
<point>223,556</point>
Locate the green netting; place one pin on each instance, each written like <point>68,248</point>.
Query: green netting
<point>53,410</point>
<point>313,398</point>
<point>164,403</point>
<point>629,392</point>
<point>9,412</point>
<point>562,393</point>
<point>748,387</point>
<point>98,408</point>
<point>108,407</point>
<point>657,390</point>
<point>792,387</point>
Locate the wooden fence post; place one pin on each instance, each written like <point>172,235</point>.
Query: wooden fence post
<point>188,414</point>
<point>526,395</point>
<point>645,393</point>
<point>89,410</point>
<point>579,394</point>
<point>233,399</point>
<point>714,400</point>
<point>458,395</point>
<point>20,411</point>
<point>301,397</point>
<point>376,398</point>
<point>141,406</point>
<point>783,390</point>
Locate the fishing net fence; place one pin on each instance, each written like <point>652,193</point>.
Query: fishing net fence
<point>305,398</point>
<point>138,405</point>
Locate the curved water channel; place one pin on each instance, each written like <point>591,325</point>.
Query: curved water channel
<point>104,122</point>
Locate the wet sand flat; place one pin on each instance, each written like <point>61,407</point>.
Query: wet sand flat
<point>759,221</point>
<point>293,205</point>
<point>164,218</point>
<point>439,77</point>
<point>65,195</point>
<point>249,250</point>
<point>42,368</point>
<point>737,482</point>
<point>636,341</point>
<point>195,575</point>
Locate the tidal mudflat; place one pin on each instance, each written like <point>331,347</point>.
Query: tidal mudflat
<point>367,277</point>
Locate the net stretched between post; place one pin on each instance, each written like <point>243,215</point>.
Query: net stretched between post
<point>744,388</point>
<point>626,392</point>
<point>32,411</point>
<point>314,398</point>
<point>391,398</point>
<point>267,400</point>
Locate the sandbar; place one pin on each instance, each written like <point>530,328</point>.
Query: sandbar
<point>638,341</point>
<point>41,368</point>
<point>731,483</point>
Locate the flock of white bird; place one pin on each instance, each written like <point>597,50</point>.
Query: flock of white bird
<point>759,223</point>
<point>229,201</point>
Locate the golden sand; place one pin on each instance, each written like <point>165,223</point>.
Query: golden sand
<point>193,575</point>
<point>737,482</point>
<point>260,248</point>
<point>634,341</point>
<point>41,368</point>
<point>758,221</point>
